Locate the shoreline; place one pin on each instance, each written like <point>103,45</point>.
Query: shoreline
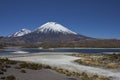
<point>58,48</point>
<point>65,61</point>
<point>74,48</point>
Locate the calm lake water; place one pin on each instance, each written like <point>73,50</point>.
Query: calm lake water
<point>11,51</point>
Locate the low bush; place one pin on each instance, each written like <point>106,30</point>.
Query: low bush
<point>4,70</point>
<point>23,71</point>
<point>3,77</point>
<point>11,77</point>
<point>30,66</point>
<point>104,60</point>
<point>1,72</point>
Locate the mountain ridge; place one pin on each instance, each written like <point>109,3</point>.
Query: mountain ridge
<point>52,34</point>
<point>47,27</point>
<point>22,32</point>
<point>48,32</point>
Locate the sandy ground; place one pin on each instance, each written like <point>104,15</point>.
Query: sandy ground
<point>65,61</point>
<point>43,74</point>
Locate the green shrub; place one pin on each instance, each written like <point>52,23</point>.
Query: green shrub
<point>4,70</point>
<point>23,71</point>
<point>3,77</point>
<point>1,72</point>
<point>30,66</point>
<point>23,65</point>
<point>11,77</point>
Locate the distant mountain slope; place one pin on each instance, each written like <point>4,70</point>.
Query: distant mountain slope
<point>22,32</point>
<point>53,32</point>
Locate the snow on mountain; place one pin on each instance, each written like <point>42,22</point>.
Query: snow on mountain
<point>53,27</point>
<point>20,33</point>
<point>49,32</point>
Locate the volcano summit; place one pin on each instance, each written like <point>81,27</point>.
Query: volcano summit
<point>52,31</point>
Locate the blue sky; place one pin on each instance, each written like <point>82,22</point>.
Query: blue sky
<point>94,18</point>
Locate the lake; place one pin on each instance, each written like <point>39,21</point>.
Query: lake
<point>10,51</point>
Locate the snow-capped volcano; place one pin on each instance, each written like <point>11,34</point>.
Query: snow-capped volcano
<point>22,32</point>
<point>52,31</point>
<point>48,32</point>
<point>53,27</point>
